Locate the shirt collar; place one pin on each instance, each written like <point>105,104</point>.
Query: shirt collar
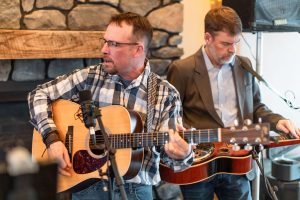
<point>141,79</point>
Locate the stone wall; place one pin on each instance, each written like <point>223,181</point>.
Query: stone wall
<point>166,16</point>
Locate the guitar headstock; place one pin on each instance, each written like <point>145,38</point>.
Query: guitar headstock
<point>247,135</point>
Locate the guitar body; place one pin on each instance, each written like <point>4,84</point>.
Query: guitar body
<point>210,159</point>
<point>85,161</point>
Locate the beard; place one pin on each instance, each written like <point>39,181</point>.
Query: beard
<point>227,60</point>
<point>109,67</point>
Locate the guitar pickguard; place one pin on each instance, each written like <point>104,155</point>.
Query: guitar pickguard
<point>83,163</point>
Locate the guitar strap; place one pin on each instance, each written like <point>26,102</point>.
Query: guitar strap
<point>151,101</point>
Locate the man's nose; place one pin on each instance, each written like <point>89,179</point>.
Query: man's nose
<point>232,48</point>
<point>104,48</point>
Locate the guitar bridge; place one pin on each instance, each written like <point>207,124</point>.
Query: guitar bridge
<point>69,141</point>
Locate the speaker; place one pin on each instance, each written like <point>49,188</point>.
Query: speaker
<point>267,15</point>
<point>286,189</point>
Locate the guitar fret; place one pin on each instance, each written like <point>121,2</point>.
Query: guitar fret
<point>150,139</point>
<point>208,135</point>
<point>141,140</point>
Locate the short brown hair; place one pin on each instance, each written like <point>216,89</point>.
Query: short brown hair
<point>223,19</point>
<point>141,26</point>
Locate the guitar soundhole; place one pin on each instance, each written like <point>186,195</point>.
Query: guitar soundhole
<point>203,151</point>
<point>99,148</point>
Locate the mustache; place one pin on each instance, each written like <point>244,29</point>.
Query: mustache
<point>107,59</point>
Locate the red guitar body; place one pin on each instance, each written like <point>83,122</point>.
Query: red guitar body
<point>210,159</point>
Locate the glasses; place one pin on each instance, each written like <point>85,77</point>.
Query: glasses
<point>111,43</point>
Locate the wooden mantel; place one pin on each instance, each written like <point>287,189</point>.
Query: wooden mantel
<point>39,44</point>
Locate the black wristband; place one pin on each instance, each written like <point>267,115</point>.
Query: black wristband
<point>51,138</point>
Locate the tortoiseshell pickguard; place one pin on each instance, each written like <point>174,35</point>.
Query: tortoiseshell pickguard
<point>83,163</point>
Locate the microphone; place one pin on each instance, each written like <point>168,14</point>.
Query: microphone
<point>87,107</point>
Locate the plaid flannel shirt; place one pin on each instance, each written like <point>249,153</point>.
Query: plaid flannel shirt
<point>108,90</point>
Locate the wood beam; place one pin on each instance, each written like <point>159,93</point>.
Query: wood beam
<point>39,44</point>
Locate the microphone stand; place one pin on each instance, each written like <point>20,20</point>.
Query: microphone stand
<point>270,189</point>
<point>111,157</point>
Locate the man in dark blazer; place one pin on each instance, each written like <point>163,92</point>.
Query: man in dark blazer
<point>216,89</point>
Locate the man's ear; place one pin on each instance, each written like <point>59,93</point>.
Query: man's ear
<point>207,37</point>
<point>140,49</point>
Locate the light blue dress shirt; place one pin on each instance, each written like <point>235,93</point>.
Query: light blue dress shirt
<point>223,90</point>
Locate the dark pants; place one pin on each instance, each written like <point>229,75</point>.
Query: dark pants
<point>226,187</point>
<point>97,192</point>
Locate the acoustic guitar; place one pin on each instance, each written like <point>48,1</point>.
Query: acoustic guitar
<point>88,161</point>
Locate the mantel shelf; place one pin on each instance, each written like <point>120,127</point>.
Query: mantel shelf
<point>39,44</point>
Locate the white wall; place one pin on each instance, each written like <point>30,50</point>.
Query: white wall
<point>279,67</point>
<point>193,25</point>
<point>281,52</point>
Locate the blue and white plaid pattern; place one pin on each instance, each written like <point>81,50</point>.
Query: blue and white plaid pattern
<point>108,90</point>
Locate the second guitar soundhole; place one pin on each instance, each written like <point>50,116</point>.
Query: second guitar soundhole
<point>203,151</point>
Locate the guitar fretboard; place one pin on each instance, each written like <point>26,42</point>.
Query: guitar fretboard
<point>200,136</point>
<point>133,140</point>
<point>139,139</point>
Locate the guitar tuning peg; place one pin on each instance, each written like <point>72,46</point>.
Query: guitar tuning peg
<point>257,127</point>
<point>257,140</point>
<point>259,120</point>
<point>244,128</point>
<point>236,147</point>
<point>232,128</point>
<point>235,122</point>
<point>248,147</point>
<point>245,139</point>
<point>232,140</point>
<point>247,122</point>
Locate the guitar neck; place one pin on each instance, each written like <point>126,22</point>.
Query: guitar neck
<point>239,136</point>
<point>133,140</point>
<point>201,136</point>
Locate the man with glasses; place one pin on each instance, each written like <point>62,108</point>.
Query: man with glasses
<point>123,78</point>
<point>216,89</point>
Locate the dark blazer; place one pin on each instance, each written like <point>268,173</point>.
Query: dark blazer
<point>191,79</point>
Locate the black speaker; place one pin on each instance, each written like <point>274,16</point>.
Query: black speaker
<point>286,189</point>
<point>267,15</point>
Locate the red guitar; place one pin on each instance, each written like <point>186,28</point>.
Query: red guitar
<point>216,158</point>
